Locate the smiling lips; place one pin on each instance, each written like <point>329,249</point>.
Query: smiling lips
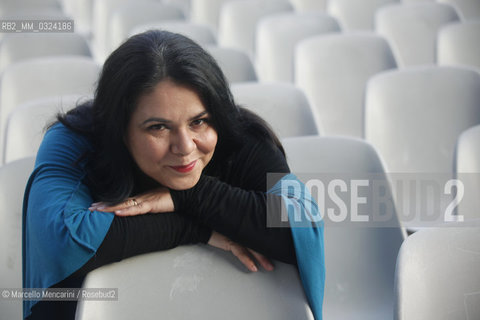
<point>184,169</point>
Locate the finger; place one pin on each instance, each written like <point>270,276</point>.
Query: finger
<point>242,254</point>
<point>140,208</point>
<point>264,261</point>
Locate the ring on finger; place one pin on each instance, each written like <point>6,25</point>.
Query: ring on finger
<point>134,201</point>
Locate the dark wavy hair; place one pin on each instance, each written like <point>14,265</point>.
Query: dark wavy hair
<point>132,70</point>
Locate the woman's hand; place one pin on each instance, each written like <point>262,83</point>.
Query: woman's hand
<point>155,201</point>
<point>243,254</point>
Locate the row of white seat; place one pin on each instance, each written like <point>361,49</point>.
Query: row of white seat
<point>250,25</point>
<point>364,279</point>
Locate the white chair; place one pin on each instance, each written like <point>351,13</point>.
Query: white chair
<point>235,64</point>
<point>133,13</point>
<point>413,117</point>
<point>101,16</point>
<point>459,44</point>
<point>412,29</point>
<point>469,10</point>
<point>276,37</point>
<point>467,169</point>
<point>17,47</point>
<point>360,259</point>
<point>356,15</point>
<point>200,33</point>
<point>21,7</point>
<point>238,21</point>
<point>183,5</point>
<point>194,282</point>
<point>13,179</point>
<point>27,124</point>
<point>82,12</point>
<point>333,71</point>
<point>206,12</point>
<point>437,274</point>
<point>282,105</point>
<point>309,5</point>
<point>43,77</point>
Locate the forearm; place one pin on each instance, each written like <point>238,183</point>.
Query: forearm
<point>130,236</point>
<point>238,214</point>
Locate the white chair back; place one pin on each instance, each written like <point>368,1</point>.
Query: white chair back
<point>333,71</point>
<point>360,258</point>
<point>13,179</point>
<point>282,105</point>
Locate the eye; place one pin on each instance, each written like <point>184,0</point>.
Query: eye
<point>199,122</point>
<point>157,127</point>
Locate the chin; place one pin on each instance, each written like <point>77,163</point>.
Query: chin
<point>183,183</point>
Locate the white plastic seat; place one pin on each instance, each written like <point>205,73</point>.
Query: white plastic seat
<point>238,21</point>
<point>206,12</point>
<point>359,259</point>
<point>101,16</point>
<point>18,47</point>
<point>200,33</point>
<point>282,105</point>
<point>437,274</point>
<point>194,282</point>
<point>27,124</point>
<point>356,15</point>
<point>183,5</point>
<point>459,44</point>
<point>309,5</point>
<point>413,117</point>
<point>20,7</point>
<point>44,77</point>
<point>235,64</point>
<point>467,167</point>
<point>13,179</point>
<point>133,13</point>
<point>82,12</point>
<point>412,29</point>
<point>333,71</point>
<point>469,10</point>
<point>276,37</point>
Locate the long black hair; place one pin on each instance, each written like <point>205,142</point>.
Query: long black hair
<point>134,69</point>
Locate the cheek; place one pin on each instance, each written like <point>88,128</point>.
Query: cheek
<point>146,149</point>
<point>208,141</point>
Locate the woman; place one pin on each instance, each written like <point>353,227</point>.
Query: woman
<point>161,157</point>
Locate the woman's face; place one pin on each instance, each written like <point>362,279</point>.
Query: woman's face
<point>170,136</point>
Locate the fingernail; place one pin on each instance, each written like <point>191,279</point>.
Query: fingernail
<point>254,268</point>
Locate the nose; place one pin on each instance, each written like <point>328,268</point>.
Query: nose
<point>183,142</point>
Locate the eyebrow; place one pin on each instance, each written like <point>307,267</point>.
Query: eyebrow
<point>155,119</point>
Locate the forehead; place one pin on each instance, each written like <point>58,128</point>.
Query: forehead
<point>168,98</point>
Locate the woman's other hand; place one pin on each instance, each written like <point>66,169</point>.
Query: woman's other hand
<point>243,254</point>
<point>155,201</point>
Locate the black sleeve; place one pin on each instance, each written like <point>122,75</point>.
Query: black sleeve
<point>238,208</point>
<point>134,235</point>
